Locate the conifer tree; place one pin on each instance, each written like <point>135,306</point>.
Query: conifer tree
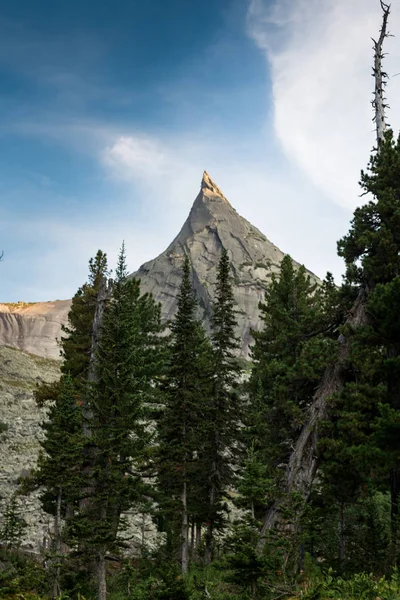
<point>125,364</point>
<point>372,254</point>
<point>76,344</point>
<point>221,444</point>
<point>13,525</point>
<point>59,470</point>
<point>186,389</point>
<point>289,355</point>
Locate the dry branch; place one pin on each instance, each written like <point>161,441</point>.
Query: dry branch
<point>303,462</point>
<point>380,77</point>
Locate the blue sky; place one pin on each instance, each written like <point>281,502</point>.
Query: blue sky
<point>110,111</point>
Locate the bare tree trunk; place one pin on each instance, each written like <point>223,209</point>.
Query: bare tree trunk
<point>197,540</point>
<point>192,525</point>
<point>184,532</point>
<point>342,541</point>
<point>380,78</point>
<point>303,461</point>
<point>102,297</point>
<point>56,583</point>
<point>143,531</point>
<point>210,525</point>
<point>208,546</point>
<point>101,575</point>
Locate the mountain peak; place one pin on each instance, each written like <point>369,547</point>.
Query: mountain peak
<point>209,187</point>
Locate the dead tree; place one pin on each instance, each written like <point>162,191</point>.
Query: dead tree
<point>303,462</point>
<point>380,77</point>
<point>103,297</point>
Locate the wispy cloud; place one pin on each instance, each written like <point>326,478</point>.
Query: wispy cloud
<point>320,56</point>
<point>129,158</point>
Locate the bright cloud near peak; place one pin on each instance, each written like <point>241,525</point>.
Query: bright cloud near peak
<point>320,56</point>
<point>129,158</point>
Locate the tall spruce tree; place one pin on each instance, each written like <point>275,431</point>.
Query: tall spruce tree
<point>372,254</point>
<point>75,346</point>
<point>221,439</point>
<point>289,355</point>
<point>59,469</point>
<point>186,389</point>
<point>125,365</point>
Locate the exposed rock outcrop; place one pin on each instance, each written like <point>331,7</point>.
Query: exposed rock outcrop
<point>34,327</point>
<point>20,420</point>
<point>214,224</point>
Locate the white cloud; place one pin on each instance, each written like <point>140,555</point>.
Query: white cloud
<point>320,56</point>
<point>129,158</point>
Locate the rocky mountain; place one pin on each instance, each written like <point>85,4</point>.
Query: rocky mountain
<point>212,224</point>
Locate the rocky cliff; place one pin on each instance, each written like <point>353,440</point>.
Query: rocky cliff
<point>214,224</point>
<point>34,327</point>
<point>20,420</point>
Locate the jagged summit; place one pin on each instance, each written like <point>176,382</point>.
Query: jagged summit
<point>213,224</point>
<point>209,187</point>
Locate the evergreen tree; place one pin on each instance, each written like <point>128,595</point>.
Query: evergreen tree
<point>359,444</point>
<point>125,364</point>
<point>222,421</point>
<point>289,354</point>
<point>77,343</point>
<point>13,525</point>
<point>59,469</point>
<point>186,389</point>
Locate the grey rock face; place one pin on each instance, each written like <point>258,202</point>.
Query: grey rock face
<point>34,327</point>
<point>213,224</point>
<point>19,443</point>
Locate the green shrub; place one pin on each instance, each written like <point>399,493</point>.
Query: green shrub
<point>3,427</point>
<point>361,586</point>
<point>21,577</point>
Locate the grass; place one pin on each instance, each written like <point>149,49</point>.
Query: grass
<point>18,304</point>
<point>17,383</point>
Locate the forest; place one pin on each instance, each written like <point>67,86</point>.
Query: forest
<point>273,478</point>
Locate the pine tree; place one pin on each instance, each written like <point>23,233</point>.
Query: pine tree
<point>223,417</point>
<point>372,254</point>
<point>75,346</point>
<point>125,365</point>
<point>186,389</point>
<point>13,525</point>
<point>59,470</point>
<point>289,355</point>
